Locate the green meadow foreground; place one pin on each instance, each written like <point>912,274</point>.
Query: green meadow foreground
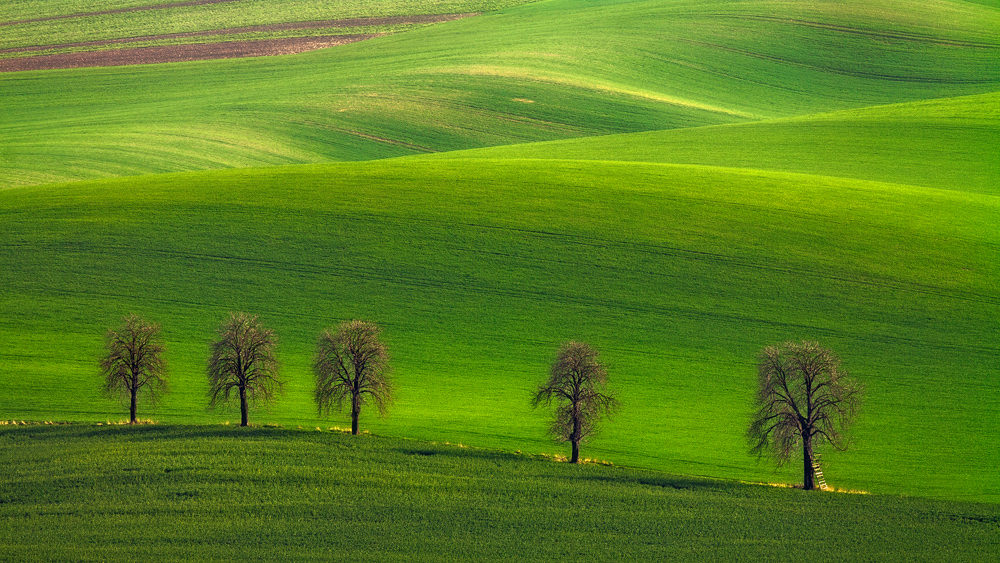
<point>216,493</point>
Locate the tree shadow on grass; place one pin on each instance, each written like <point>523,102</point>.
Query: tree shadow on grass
<point>461,452</point>
<point>671,482</point>
<point>139,432</point>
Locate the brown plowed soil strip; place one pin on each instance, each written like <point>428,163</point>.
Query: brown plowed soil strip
<point>290,26</point>
<point>120,11</point>
<point>178,53</point>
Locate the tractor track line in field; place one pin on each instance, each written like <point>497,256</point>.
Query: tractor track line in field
<point>180,53</point>
<point>654,249</point>
<point>118,11</point>
<point>385,140</point>
<point>832,70</point>
<point>288,26</point>
<point>363,273</point>
<point>888,34</point>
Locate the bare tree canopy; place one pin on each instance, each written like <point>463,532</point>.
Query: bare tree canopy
<point>803,397</point>
<point>576,383</point>
<point>352,364</point>
<point>133,361</point>
<point>243,360</point>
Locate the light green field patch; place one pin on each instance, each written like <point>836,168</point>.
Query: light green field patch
<point>478,269</point>
<point>591,68</point>
<point>949,143</point>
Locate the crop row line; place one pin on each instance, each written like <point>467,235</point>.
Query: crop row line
<point>118,11</point>
<point>290,26</point>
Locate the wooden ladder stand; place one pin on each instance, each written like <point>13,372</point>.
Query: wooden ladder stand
<point>818,472</point>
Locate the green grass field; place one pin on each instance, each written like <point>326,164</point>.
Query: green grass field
<point>679,183</point>
<point>216,494</point>
<point>542,71</point>
<point>479,269</point>
<point>48,27</point>
<point>947,143</point>
<point>184,19</point>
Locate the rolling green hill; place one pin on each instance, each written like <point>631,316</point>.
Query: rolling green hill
<point>478,269</point>
<point>753,172</point>
<point>207,493</point>
<point>948,143</point>
<point>51,27</point>
<point>541,71</point>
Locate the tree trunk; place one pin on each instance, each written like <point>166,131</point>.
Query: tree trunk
<point>807,465</point>
<point>243,406</point>
<point>574,438</point>
<point>131,412</point>
<point>355,413</point>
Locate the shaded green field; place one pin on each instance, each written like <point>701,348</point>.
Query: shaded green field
<point>478,269</point>
<point>542,71</point>
<point>208,492</point>
<point>947,143</point>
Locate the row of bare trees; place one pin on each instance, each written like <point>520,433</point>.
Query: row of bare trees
<point>803,395</point>
<point>351,366</point>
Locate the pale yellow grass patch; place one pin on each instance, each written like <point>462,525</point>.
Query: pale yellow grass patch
<point>126,423</point>
<point>598,85</point>
<point>799,486</point>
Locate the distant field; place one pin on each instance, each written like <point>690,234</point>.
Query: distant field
<point>28,26</point>
<point>54,35</point>
<point>209,492</point>
<point>947,143</point>
<point>478,269</point>
<point>537,72</point>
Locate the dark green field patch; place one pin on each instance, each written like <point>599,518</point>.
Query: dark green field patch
<point>170,493</point>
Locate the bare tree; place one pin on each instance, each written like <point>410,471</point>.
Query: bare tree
<point>352,363</point>
<point>243,360</point>
<point>134,361</point>
<point>803,397</point>
<point>576,382</point>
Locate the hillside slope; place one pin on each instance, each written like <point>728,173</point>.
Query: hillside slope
<point>195,492</point>
<point>478,269</point>
<point>948,143</point>
<point>542,71</point>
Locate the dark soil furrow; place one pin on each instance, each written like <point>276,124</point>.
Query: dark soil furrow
<point>179,53</point>
<point>289,26</point>
<point>119,11</point>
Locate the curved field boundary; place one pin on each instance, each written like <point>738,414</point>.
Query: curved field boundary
<point>290,26</point>
<point>119,11</point>
<point>180,53</point>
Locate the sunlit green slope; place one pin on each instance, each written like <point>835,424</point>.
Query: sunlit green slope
<point>948,143</point>
<point>478,269</point>
<point>542,71</point>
